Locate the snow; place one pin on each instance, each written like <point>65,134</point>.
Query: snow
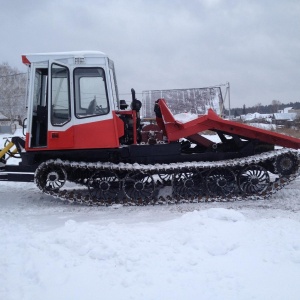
<point>242,250</point>
<point>185,117</point>
<point>263,126</point>
<point>234,250</point>
<point>285,116</point>
<point>256,116</point>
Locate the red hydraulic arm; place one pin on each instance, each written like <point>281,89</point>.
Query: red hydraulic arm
<point>176,130</point>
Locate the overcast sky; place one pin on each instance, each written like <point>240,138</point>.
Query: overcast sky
<point>169,44</point>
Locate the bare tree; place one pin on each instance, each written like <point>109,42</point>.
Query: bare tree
<point>244,109</point>
<point>258,107</point>
<point>275,105</point>
<point>12,92</point>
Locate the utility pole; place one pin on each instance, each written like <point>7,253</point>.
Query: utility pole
<point>228,90</point>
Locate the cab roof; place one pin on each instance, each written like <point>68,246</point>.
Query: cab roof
<point>27,59</point>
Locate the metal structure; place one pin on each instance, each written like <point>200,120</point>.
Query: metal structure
<point>194,100</point>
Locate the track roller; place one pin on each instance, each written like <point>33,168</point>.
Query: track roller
<point>104,186</point>
<point>188,185</point>
<point>253,180</point>
<point>220,182</point>
<point>138,186</point>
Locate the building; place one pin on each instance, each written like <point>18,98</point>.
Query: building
<point>284,119</point>
<point>5,124</point>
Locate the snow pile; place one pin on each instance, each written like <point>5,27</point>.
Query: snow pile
<point>263,126</point>
<point>185,117</point>
<point>70,252</point>
<point>257,116</point>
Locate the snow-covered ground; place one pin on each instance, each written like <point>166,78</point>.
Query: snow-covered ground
<point>236,250</point>
<point>263,126</point>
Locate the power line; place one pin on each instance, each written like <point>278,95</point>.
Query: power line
<point>10,75</point>
<point>127,94</point>
<point>13,96</point>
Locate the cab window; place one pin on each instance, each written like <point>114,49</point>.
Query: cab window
<point>60,95</point>
<point>90,92</point>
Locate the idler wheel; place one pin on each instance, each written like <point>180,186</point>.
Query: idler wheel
<point>286,164</point>
<point>50,177</point>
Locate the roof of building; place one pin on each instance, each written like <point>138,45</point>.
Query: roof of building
<point>2,117</point>
<point>285,116</point>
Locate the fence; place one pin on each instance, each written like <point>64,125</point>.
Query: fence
<point>194,100</point>
<point>7,129</point>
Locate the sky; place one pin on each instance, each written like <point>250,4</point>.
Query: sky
<point>169,44</point>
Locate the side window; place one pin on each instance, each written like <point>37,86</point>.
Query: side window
<point>90,92</point>
<point>60,95</point>
<point>113,81</point>
<point>40,88</point>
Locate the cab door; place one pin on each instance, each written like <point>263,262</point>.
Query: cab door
<point>60,131</point>
<point>38,107</point>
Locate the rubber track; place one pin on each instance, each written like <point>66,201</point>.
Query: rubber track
<point>80,195</point>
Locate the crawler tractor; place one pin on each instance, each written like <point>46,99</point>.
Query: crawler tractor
<point>84,145</point>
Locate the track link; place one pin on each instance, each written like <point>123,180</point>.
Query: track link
<point>253,177</point>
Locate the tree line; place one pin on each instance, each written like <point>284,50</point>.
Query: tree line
<point>12,92</point>
<point>272,108</point>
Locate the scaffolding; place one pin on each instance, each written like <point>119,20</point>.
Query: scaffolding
<point>192,100</point>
